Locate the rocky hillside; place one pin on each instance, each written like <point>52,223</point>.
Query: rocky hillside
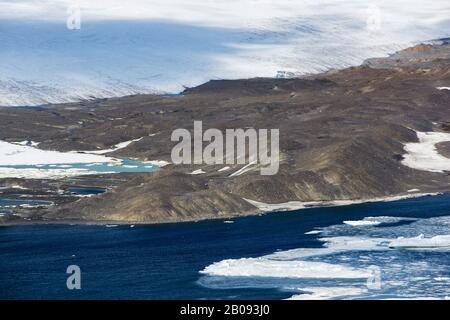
<point>342,136</point>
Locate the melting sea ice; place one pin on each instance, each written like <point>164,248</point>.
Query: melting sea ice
<point>407,256</point>
<point>317,253</point>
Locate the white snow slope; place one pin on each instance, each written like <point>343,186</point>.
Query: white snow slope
<point>159,46</point>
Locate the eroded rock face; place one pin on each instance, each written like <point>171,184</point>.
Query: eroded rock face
<point>342,136</point>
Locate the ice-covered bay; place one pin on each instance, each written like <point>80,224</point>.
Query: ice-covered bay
<point>12,154</point>
<point>19,160</point>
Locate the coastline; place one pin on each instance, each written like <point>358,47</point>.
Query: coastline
<point>263,210</point>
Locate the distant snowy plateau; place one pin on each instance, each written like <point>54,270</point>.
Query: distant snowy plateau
<point>164,46</point>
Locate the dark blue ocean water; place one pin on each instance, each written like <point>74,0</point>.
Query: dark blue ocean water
<point>163,261</point>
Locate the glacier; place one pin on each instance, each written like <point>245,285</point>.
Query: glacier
<point>158,47</point>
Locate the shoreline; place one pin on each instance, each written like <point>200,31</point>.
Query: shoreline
<point>281,207</point>
<point>297,205</point>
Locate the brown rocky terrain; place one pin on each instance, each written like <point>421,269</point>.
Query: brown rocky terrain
<point>341,137</point>
<point>444,149</point>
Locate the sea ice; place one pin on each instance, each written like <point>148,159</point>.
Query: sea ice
<point>421,243</point>
<point>359,223</point>
<point>326,293</point>
<point>265,267</point>
<point>344,255</point>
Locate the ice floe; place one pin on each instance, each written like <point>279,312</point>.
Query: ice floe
<point>348,260</point>
<point>423,155</point>
<point>374,221</point>
<point>359,223</point>
<point>43,173</point>
<point>25,161</point>
<point>266,267</point>
<point>422,243</point>
<point>313,232</point>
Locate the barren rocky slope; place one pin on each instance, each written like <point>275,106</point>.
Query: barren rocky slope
<point>342,136</point>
